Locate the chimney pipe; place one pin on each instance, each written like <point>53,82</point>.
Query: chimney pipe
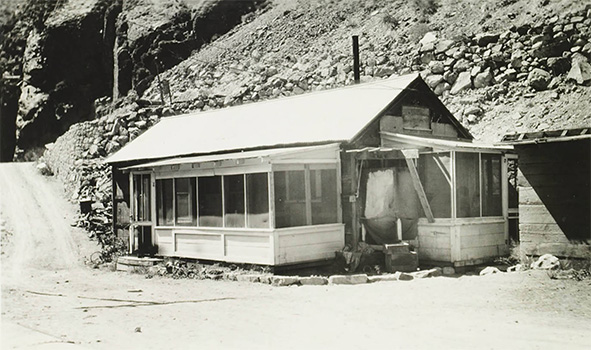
<point>356,58</point>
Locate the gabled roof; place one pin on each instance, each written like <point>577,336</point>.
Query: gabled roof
<point>321,117</point>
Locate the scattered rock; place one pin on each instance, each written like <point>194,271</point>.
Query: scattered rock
<point>515,268</point>
<point>282,281</point>
<point>403,276</point>
<point>580,71</point>
<point>483,79</point>
<point>448,270</point>
<point>546,262</point>
<point>489,270</point>
<point>44,169</point>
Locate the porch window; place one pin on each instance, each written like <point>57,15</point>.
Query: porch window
<point>478,185</point>
<point>323,185</point>
<point>467,185</point>
<point>186,210</point>
<point>435,173</point>
<point>164,202</point>
<point>234,201</point>
<point>141,184</point>
<point>491,185</point>
<point>210,201</point>
<point>305,197</point>
<point>257,200</point>
<point>290,198</point>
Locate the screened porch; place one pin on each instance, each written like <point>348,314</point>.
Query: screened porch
<point>273,207</point>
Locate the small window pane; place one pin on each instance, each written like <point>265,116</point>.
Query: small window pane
<point>290,198</point>
<point>435,170</point>
<point>142,197</point>
<point>186,212</point>
<point>323,185</point>
<point>467,185</point>
<point>164,199</point>
<point>491,185</point>
<point>210,201</point>
<point>257,194</point>
<point>234,200</point>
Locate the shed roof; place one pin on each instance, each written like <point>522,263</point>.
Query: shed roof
<point>560,135</point>
<point>315,118</point>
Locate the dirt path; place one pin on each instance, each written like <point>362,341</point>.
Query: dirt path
<point>50,298</point>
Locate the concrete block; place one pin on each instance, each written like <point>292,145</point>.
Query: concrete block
<point>383,278</point>
<point>282,281</point>
<point>313,281</point>
<point>248,278</point>
<point>348,279</point>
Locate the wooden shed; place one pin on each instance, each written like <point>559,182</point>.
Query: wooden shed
<point>293,180</point>
<point>554,192</point>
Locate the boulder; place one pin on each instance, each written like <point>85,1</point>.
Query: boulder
<point>546,262</point>
<point>539,79</point>
<point>443,46</point>
<point>580,70</point>
<point>436,67</point>
<point>484,39</point>
<point>483,79</point>
<point>43,168</point>
<point>434,80</point>
<point>441,88</point>
<point>463,82</point>
<point>558,65</point>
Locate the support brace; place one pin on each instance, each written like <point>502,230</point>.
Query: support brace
<point>410,155</point>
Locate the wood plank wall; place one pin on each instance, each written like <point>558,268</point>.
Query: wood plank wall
<point>554,198</point>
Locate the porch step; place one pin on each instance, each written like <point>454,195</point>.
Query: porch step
<point>133,263</point>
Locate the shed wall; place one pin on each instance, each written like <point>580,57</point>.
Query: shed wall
<point>554,198</point>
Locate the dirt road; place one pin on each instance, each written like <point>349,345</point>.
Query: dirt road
<point>52,298</point>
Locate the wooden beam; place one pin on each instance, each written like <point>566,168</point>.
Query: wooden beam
<point>409,156</point>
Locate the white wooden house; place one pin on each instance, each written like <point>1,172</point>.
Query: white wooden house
<point>293,180</point>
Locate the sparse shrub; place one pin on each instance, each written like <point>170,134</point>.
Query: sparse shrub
<point>391,20</point>
<point>428,7</point>
<point>418,31</point>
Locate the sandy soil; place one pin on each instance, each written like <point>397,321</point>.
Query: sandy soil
<point>49,293</point>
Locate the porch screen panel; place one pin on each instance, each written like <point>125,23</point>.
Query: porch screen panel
<point>164,200</point>
<point>210,201</point>
<point>186,208</point>
<point>257,199</point>
<point>234,201</point>
<point>435,174</point>
<point>323,189</point>
<point>467,185</point>
<point>491,185</point>
<point>290,198</point>
<point>142,197</point>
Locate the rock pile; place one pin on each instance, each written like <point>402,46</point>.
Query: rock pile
<point>76,158</point>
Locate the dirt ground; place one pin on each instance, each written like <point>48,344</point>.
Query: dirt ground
<point>50,299</point>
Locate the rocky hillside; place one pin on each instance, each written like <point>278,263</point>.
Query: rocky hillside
<point>501,66</point>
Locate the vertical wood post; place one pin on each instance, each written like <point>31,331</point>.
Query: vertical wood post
<point>354,205</point>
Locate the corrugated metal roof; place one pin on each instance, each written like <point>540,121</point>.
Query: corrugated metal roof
<point>264,153</point>
<point>319,117</point>
<point>560,135</point>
